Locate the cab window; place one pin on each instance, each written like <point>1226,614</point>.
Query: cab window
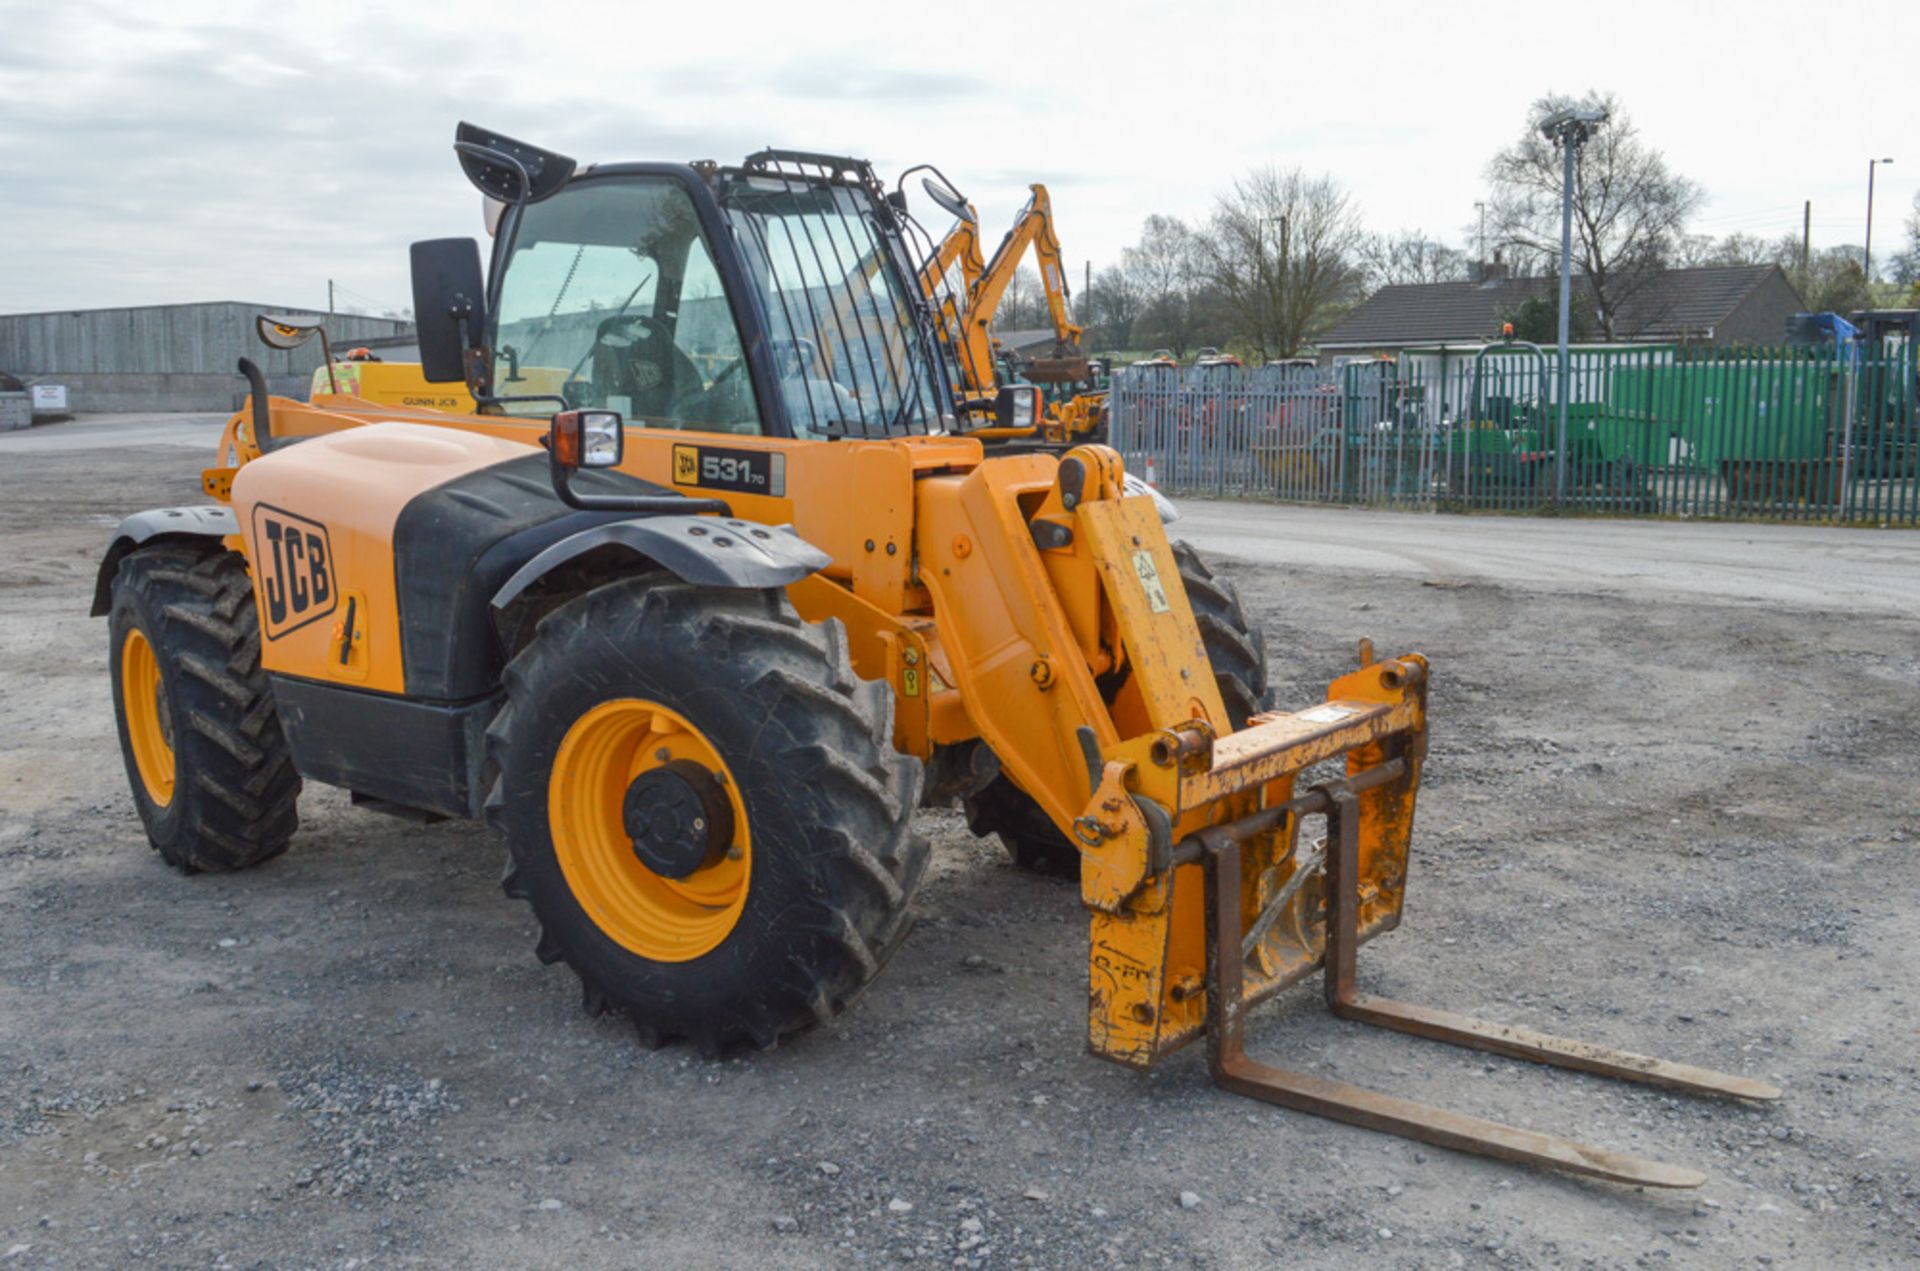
<point>611,299</point>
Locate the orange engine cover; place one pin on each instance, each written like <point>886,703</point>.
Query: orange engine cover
<point>318,522</point>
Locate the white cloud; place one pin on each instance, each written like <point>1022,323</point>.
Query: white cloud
<point>255,150</point>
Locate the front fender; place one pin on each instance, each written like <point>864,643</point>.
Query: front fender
<point>704,550</point>
<point>204,524</point>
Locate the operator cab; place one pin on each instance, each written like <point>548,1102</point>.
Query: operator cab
<point>774,298</point>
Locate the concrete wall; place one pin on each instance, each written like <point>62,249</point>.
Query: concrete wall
<point>165,357</point>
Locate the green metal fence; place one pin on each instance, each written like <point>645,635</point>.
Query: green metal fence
<point>1794,432</point>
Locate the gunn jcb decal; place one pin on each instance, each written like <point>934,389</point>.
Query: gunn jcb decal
<point>293,569</point>
<point>731,468</point>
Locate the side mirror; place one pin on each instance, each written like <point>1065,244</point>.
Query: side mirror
<point>284,332</point>
<point>449,306</point>
<point>1017,406</point>
<point>949,199</point>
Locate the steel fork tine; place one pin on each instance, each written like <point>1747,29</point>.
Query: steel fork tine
<point>1232,1070</point>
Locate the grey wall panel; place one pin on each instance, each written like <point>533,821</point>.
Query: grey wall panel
<point>161,340</point>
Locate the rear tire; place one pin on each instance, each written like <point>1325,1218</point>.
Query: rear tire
<point>786,917</point>
<point>1238,655</point>
<point>211,773</point>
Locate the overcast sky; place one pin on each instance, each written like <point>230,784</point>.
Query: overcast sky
<point>193,151</point>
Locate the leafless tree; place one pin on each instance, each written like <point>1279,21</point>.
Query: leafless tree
<point>1280,253</point>
<point>1692,251</point>
<point>1023,305</point>
<point>1629,207</point>
<point>1112,307</point>
<point>1164,266</point>
<point>1409,257</point>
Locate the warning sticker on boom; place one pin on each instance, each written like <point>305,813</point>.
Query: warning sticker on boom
<point>731,468</point>
<point>1150,581</point>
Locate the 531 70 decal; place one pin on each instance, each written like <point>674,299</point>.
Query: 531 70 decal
<point>731,468</point>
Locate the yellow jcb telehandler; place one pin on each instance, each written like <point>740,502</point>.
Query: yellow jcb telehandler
<point>700,626</point>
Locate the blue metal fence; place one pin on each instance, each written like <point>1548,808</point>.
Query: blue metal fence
<point>1794,432</point>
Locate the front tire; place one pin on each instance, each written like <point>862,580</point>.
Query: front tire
<point>212,776</point>
<point>704,810</point>
<point>1238,655</point>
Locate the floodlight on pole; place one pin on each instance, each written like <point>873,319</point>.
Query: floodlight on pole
<point>1568,129</point>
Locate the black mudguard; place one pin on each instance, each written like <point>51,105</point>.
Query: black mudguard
<point>208,524</point>
<point>704,550</point>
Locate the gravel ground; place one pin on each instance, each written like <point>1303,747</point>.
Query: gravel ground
<point>1679,824</point>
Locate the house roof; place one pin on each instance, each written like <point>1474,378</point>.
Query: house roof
<point>1673,303</point>
<point>1025,339</point>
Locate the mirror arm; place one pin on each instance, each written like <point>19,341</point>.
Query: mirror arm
<point>262,412</point>
<point>637,504</point>
<point>489,399</point>
<point>326,351</point>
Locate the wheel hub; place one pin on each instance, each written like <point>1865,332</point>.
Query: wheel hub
<point>678,817</point>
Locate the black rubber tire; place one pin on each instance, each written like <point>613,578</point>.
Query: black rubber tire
<point>829,801</point>
<point>1235,648</point>
<point>1238,655</point>
<point>235,795</point>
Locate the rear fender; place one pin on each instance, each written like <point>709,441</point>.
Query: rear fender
<point>209,525</point>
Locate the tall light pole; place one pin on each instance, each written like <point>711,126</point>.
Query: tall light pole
<point>1867,265</point>
<point>1569,130</point>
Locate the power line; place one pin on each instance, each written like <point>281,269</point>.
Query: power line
<point>375,301</point>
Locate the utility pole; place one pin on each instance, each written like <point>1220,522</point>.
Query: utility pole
<point>1806,235</point>
<point>1866,266</point>
<point>1266,288</point>
<point>1568,129</point>
<point>1480,256</point>
<point>329,302</point>
<point>1286,281</point>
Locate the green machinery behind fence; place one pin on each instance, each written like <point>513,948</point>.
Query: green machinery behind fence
<point>1795,432</point>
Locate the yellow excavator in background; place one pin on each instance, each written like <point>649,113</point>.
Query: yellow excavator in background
<point>965,289</point>
<point>1074,409</point>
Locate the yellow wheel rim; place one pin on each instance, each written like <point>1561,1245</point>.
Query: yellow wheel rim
<point>659,918</point>
<point>149,724</point>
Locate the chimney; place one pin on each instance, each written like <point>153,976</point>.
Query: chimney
<point>1487,273</point>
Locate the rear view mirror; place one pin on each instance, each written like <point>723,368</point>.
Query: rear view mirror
<point>449,306</point>
<point>283,331</point>
<point>949,199</point>
<point>286,332</point>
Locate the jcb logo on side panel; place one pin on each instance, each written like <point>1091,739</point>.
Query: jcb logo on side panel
<point>293,569</point>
